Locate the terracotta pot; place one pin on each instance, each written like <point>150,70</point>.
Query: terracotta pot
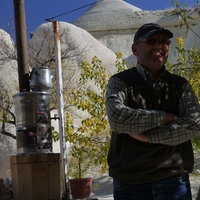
<point>80,187</point>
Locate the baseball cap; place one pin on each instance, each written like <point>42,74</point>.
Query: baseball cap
<point>148,29</point>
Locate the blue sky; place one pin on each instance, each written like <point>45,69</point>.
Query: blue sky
<point>38,10</point>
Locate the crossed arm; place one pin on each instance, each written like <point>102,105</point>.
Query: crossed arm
<point>153,126</point>
<point>144,137</point>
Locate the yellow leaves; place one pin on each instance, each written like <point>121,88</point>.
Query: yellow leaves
<point>105,122</point>
<point>180,41</point>
<point>92,135</point>
<point>82,129</point>
<point>187,64</point>
<point>87,122</point>
<point>119,63</point>
<point>83,104</point>
<point>195,82</point>
<point>118,55</point>
<point>70,131</point>
<point>104,77</point>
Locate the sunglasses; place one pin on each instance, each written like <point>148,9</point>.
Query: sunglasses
<point>152,41</point>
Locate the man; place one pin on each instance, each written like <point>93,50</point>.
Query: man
<point>153,115</point>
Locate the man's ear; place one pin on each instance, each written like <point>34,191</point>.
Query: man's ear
<point>134,50</point>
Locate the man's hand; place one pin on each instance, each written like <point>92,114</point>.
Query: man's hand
<point>140,136</point>
<point>170,117</point>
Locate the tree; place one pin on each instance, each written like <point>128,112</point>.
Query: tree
<point>91,135</point>
<point>8,58</point>
<point>187,20</point>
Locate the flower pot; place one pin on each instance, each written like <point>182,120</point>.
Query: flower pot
<point>80,187</point>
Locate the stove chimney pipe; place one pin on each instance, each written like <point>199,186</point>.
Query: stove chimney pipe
<point>22,50</point>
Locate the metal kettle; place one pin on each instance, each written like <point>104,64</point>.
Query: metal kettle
<point>40,79</point>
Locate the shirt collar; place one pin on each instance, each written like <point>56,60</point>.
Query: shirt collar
<point>146,74</point>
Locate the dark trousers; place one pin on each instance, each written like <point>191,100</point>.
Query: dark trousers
<point>173,188</point>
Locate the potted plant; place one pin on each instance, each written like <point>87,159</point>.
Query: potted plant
<point>78,161</point>
<point>80,186</point>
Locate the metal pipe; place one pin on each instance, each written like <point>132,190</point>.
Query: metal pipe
<point>22,50</point>
<point>60,102</point>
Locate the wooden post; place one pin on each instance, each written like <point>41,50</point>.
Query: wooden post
<point>36,176</point>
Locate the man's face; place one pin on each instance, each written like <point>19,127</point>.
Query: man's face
<point>152,52</point>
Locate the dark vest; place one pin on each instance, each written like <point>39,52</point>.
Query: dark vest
<point>138,162</point>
